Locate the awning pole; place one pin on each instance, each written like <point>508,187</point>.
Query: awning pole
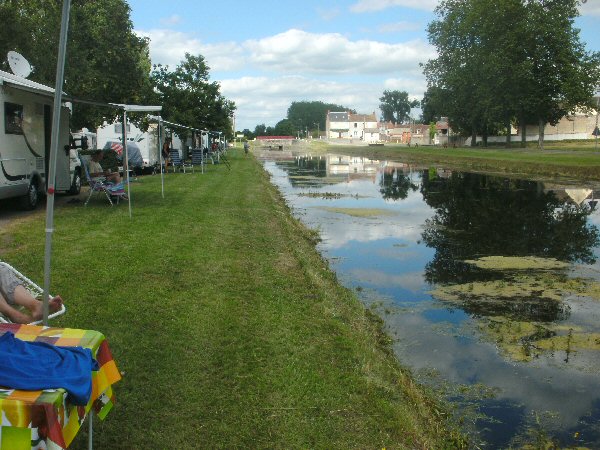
<point>51,175</point>
<point>126,159</point>
<point>162,175</point>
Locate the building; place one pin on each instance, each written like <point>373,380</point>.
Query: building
<point>346,125</point>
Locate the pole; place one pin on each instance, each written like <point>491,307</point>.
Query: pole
<point>596,129</point>
<point>51,176</point>
<point>126,159</point>
<point>162,173</point>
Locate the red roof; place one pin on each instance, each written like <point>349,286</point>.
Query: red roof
<point>274,138</point>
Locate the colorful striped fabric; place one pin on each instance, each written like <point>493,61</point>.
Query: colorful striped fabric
<point>44,419</point>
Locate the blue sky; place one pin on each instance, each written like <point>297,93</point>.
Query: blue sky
<point>267,54</point>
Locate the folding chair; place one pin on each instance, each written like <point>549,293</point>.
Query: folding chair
<point>176,160</point>
<point>197,159</point>
<point>99,185</point>
<point>36,292</point>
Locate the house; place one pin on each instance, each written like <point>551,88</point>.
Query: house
<point>346,125</point>
<point>337,125</point>
<point>577,125</point>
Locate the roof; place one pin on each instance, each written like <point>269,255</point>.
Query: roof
<point>362,118</point>
<point>341,116</point>
<point>15,81</point>
<point>274,138</point>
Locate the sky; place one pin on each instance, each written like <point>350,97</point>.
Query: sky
<point>267,54</point>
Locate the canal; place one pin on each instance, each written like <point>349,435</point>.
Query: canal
<point>489,286</point>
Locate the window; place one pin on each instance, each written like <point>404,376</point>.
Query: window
<point>355,124</point>
<point>13,118</point>
<point>119,128</point>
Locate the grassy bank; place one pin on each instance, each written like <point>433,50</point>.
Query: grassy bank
<point>568,160</point>
<point>230,329</point>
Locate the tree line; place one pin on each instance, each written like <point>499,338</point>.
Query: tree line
<point>107,62</point>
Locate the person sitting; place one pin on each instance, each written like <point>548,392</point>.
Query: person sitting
<point>166,152</point>
<point>96,171</point>
<point>14,295</point>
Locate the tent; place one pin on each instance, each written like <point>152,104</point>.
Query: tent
<point>134,158</point>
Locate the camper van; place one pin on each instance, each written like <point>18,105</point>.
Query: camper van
<point>25,136</point>
<point>146,141</point>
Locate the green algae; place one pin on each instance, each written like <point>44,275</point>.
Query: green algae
<point>524,341</point>
<point>359,212</point>
<point>517,263</point>
<point>522,308</point>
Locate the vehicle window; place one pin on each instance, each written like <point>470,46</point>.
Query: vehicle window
<point>13,118</point>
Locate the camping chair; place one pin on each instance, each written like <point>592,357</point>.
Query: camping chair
<point>206,154</point>
<point>222,158</point>
<point>112,191</point>
<point>33,289</point>
<point>176,160</point>
<point>197,159</point>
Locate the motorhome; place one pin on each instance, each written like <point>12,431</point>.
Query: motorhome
<point>147,141</point>
<point>25,139</point>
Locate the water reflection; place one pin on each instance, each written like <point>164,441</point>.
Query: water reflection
<point>532,336</point>
<point>477,215</point>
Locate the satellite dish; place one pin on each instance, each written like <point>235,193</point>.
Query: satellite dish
<point>18,64</point>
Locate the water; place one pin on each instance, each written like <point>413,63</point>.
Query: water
<point>516,351</point>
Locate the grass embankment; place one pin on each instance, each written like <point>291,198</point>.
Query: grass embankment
<point>561,159</point>
<point>230,329</point>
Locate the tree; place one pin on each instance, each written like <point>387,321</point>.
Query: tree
<point>105,60</point>
<point>189,97</point>
<point>563,75</point>
<point>395,106</point>
<point>432,105</point>
<point>284,128</point>
<point>501,60</point>
<point>306,114</point>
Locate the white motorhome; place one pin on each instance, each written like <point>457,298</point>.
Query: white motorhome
<point>25,136</point>
<point>146,141</point>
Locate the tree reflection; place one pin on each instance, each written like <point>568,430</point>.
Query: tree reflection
<point>395,185</point>
<point>478,215</point>
<point>305,171</point>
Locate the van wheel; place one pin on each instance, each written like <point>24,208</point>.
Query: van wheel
<point>30,200</point>
<point>76,184</point>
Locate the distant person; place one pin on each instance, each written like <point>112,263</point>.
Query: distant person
<point>166,152</point>
<point>246,147</point>
<point>13,295</point>
<point>96,171</point>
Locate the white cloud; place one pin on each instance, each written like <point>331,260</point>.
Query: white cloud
<point>329,13</point>
<point>168,47</point>
<point>170,21</point>
<point>414,86</point>
<point>296,65</point>
<point>590,8</point>
<point>266,99</point>
<point>297,51</point>
<point>398,27</point>
<point>362,6</point>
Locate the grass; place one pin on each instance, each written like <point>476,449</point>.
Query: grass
<point>229,328</point>
<point>559,159</point>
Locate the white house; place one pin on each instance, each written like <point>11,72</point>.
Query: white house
<point>345,125</point>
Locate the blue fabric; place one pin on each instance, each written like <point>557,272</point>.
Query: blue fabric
<point>36,365</point>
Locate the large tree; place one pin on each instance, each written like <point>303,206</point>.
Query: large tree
<point>105,60</point>
<point>395,106</point>
<point>501,60</point>
<point>189,97</point>
<point>563,75</point>
<point>310,114</point>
